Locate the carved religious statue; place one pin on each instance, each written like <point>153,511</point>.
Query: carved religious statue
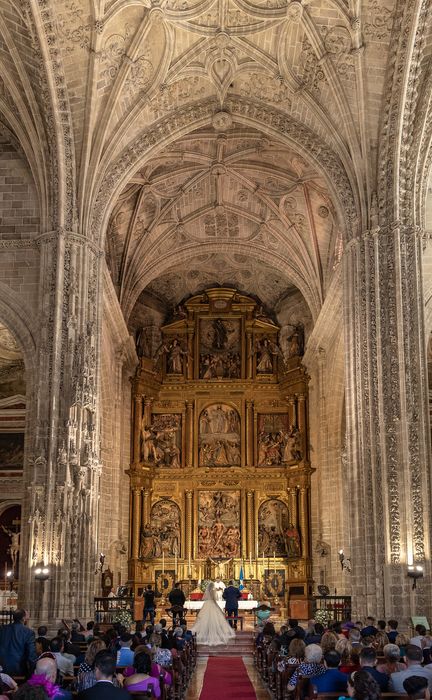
<point>175,357</point>
<point>292,541</point>
<point>267,351</point>
<point>14,546</point>
<point>296,341</point>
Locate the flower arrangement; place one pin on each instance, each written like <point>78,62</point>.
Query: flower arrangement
<point>323,616</point>
<point>204,583</point>
<point>123,617</point>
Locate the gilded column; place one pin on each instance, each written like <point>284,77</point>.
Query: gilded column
<point>249,434</point>
<point>249,356</point>
<point>244,529</point>
<point>292,500</point>
<point>189,433</point>
<point>189,533</point>
<point>146,506</point>
<point>292,410</point>
<point>136,526</point>
<point>190,355</point>
<point>148,402</point>
<point>250,524</point>
<point>304,511</point>
<point>302,423</point>
<point>137,428</point>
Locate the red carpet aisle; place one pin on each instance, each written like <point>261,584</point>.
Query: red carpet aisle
<point>226,678</point>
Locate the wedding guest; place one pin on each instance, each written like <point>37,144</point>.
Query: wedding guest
<point>311,666</point>
<point>392,662</point>
<point>368,659</point>
<point>64,664</point>
<point>17,645</point>
<point>392,633</point>
<point>414,659</point>
<point>417,688</point>
<point>104,688</point>
<point>141,679</point>
<point>45,675</point>
<point>361,686</point>
<point>332,681</point>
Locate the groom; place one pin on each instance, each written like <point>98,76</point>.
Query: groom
<point>231,596</point>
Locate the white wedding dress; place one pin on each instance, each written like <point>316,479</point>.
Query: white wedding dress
<point>211,627</point>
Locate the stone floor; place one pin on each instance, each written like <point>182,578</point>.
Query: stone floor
<point>196,683</point>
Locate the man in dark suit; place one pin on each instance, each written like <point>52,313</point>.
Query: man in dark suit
<point>149,604</point>
<point>177,599</point>
<point>17,646</point>
<point>231,596</point>
<point>104,689</point>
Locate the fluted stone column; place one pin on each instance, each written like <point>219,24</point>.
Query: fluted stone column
<point>387,422</point>
<point>250,510</point>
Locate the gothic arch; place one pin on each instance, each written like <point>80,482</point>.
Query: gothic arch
<point>337,170</point>
<point>14,316</point>
<point>176,257</point>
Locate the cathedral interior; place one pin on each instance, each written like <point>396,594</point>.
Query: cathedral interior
<point>216,299</point>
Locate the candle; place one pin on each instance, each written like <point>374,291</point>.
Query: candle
<point>175,563</point>
<point>189,565</point>
<point>163,563</point>
<point>250,559</point>
<point>274,561</point>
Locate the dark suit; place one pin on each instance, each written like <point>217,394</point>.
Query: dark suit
<point>177,599</point>
<point>231,596</point>
<point>104,691</point>
<point>17,649</point>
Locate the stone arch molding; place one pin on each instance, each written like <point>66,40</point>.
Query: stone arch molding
<point>12,314</point>
<point>337,173</point>
<point>175,257</point>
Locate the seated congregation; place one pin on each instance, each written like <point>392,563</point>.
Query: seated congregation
<point>153,661</point>
<point>353,660</point>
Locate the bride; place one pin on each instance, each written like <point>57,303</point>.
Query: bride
<point>211,627</point>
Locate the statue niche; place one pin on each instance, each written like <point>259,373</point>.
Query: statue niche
<point>219,437</point>
<point>276,534</point>
<point>219,525</point>
<point>162,533</point>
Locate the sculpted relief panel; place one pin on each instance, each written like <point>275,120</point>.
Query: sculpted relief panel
<point>219,524</point>
<point>276,534</point>
<point>161,441</point>
<point>162,533</point>
<point>219,437</point>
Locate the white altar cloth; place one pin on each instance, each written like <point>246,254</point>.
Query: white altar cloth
<point>243,604</point>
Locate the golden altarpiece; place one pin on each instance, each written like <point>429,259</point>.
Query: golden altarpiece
<point>220,474</point>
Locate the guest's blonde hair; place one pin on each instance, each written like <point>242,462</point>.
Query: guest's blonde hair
<point>93,648</point>
<point>328,642</point>
<point>344,648</point>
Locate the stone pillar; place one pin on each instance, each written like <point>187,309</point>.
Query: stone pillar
<point>387,423</point>
<point>189,433</point>
<point>60,515</point>
<point>249,434</point>
<point>189,553</point>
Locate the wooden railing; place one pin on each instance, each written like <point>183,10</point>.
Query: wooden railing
<point>338,606</point>
<point>107,609</point>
